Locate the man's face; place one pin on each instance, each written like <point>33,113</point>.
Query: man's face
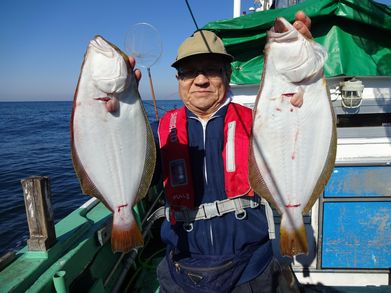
<point>203,82</point>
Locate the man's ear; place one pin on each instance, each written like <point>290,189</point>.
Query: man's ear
<point>228,72</point>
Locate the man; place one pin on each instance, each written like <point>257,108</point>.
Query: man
<point>216,230</point>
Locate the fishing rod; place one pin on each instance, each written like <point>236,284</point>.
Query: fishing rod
<point>191,13</point>
<point>151,104</point>
<point>196,25</point>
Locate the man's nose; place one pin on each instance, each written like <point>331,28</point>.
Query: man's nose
<point>201,78</point>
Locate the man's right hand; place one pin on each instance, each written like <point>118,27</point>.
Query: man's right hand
<point>137,72</point>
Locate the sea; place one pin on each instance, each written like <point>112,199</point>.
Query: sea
<point>35,141</point>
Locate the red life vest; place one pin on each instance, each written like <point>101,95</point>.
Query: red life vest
<point>177,177</point>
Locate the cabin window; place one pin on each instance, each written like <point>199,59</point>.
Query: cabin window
<point>364,120</point>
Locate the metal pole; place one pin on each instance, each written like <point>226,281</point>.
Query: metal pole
<point>59,282</point>
<point>237,11</point>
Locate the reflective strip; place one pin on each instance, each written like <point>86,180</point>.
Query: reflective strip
<point>270,219</point>
<point>230,147</point>
<point>216,209</point>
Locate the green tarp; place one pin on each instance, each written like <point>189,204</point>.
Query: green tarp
<point>356,34</point>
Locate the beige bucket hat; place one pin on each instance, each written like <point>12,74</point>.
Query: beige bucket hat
<point>201,42</point>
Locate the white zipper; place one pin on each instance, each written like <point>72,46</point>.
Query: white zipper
<point>204,125</point>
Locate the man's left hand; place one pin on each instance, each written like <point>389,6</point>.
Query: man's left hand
<point>303,24</point>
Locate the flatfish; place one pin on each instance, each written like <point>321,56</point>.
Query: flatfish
<point>293,142</point>
<point>112,145</point>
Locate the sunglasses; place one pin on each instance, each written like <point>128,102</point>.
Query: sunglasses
<point>190,74</point>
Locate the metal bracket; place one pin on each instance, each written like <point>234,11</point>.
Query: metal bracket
<point>104,234</point>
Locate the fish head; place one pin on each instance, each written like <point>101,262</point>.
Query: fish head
<point>109,71</point>
<point>294,57</point>
<point>282,29</point>
<point>281,25</point>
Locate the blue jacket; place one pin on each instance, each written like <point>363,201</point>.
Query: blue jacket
<point>223,235</point>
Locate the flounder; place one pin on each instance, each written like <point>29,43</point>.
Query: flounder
<point>112,145</point>
<point>293,143</point>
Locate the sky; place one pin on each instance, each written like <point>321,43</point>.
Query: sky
<point>42,42</point>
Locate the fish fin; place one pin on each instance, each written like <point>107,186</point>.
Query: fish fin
<point>257,182</point>
<point>124,238</point>
<point>328,167</point>
<point>293,242</point>
<point>86,184</point>
<point>150,161</point>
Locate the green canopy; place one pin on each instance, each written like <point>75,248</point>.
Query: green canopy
<point>356,34</point>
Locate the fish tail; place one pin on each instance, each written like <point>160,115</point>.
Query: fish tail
<point>124,238</point>
<point>293,240</point>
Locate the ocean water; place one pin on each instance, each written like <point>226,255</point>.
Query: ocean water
<point>35,140</point>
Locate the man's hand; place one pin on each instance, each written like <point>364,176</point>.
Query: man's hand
<point>303,24</point>
<point>137,72</point>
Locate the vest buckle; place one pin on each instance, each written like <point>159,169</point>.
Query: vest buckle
<point>240,215</point>
<point>240,212</point>
<point>211,210</point>
<point>188,226</point>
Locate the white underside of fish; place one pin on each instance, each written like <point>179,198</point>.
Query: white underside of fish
<point>293,137</point>
<point>112,139</point>
<point>106,147</point>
